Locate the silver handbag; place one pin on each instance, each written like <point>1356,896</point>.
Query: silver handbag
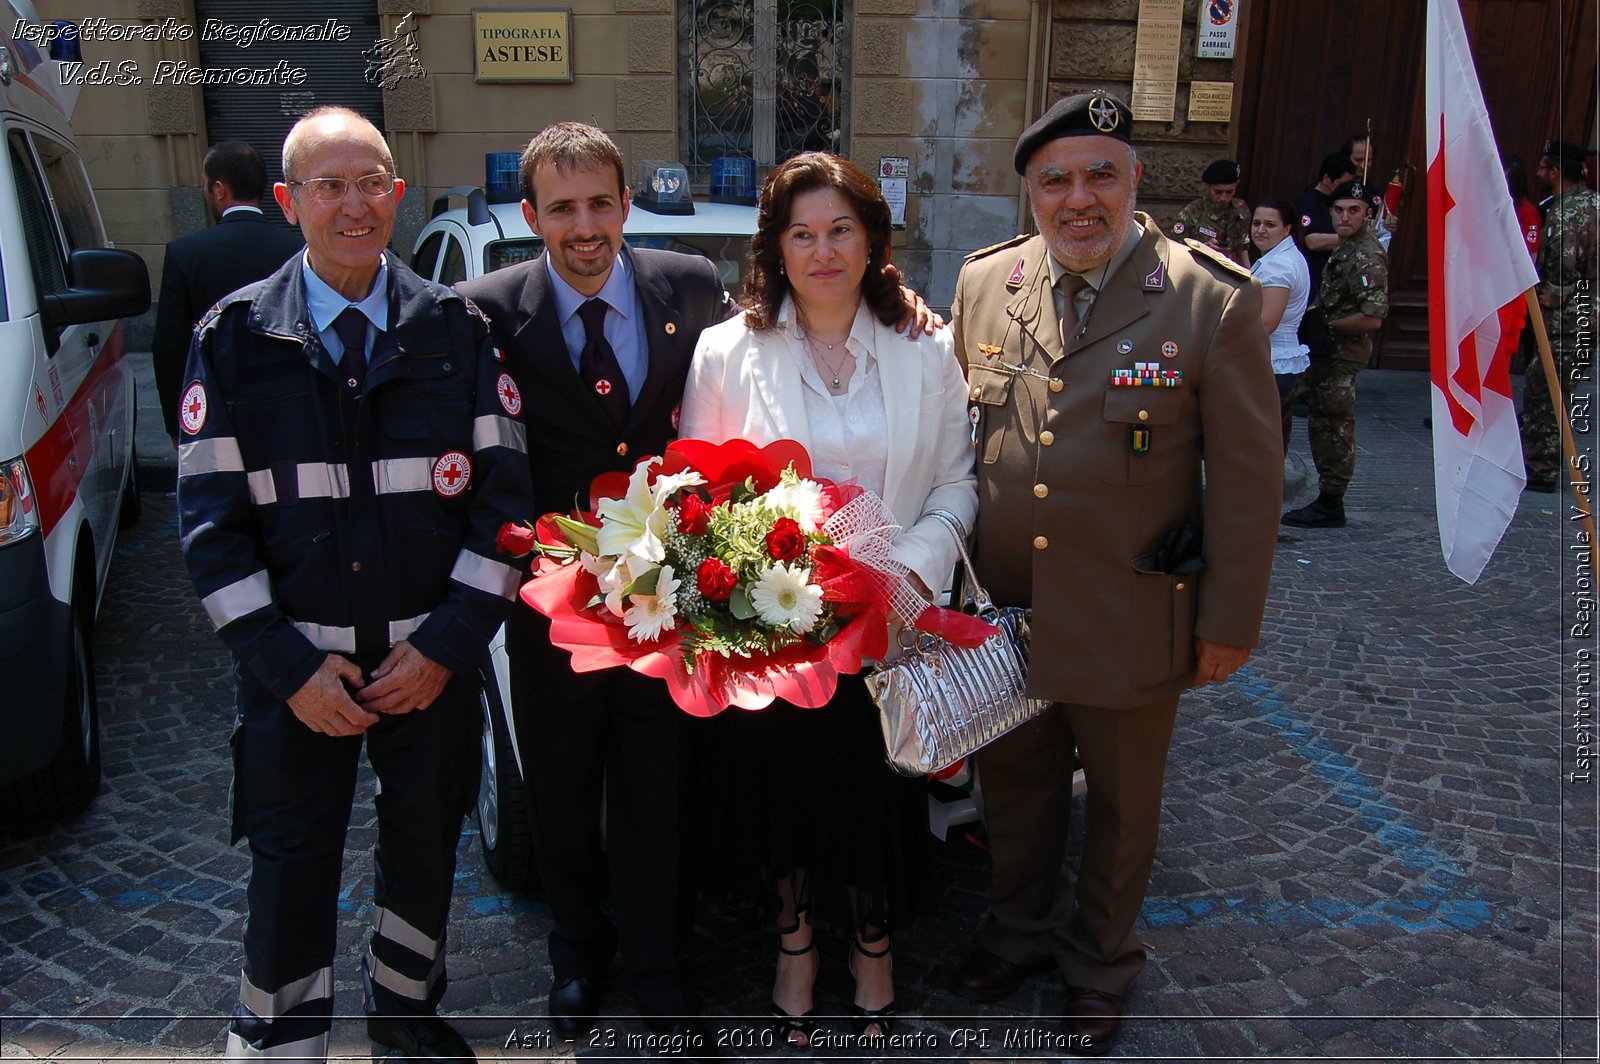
<point>940,702</point>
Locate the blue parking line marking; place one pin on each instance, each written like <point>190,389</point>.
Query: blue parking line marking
<point>1446,898</point>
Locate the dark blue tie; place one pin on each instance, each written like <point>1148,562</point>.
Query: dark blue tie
<point>598,365</point>
<point>351,325</point>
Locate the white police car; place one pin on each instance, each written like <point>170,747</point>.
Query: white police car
<point>463,242</point>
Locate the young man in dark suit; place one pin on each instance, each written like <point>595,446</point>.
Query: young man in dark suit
<point>601,388</point>
<point>202,267</point>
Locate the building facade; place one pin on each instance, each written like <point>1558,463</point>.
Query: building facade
<point>929,92</point>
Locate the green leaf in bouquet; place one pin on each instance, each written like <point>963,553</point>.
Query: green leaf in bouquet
<point>644,585</point>
<point>583,536</point>
<point>739,604</point>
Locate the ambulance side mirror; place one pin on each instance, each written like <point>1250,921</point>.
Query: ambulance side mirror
<point>106,283</point>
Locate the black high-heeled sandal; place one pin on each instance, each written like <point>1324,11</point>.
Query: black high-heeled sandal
<point>865,1019</point>
<point>787,1025</point>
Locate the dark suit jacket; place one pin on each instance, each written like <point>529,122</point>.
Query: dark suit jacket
<point>201,268</point>
<point>570,439</point>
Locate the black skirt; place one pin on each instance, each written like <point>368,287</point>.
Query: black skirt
<point>787,790</point>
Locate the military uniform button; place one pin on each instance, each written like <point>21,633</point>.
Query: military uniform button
<point>1040,543</point>
<point>1056,384</point>
<point>1178,586</point>
<point>1040,491</point>
<point>622,450</point>
<point>355,567</point>
<point>976,392</point>
<point>1046,438</point>
<point>1144,415</point>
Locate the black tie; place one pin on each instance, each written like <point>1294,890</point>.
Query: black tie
<point>351,325</point>
<point>598,363</point>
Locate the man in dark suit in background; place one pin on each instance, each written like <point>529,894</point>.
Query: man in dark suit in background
<point>202,267</point>
<point>599,337</point>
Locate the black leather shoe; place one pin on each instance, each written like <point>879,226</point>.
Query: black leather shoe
<point>986,976</point>
<point>1093,1019</point>
<point>417,1038</point>
<point>1326,512</point>
<point>572,1007</point>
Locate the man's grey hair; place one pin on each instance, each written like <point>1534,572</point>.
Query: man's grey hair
<point>293,142</point>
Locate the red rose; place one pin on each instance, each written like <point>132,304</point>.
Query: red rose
<point>786,542</point>
<point>514,539</point>
<point>694,514</point>
<point>716,579</point>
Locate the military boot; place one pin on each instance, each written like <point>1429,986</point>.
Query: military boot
<point>1326,512</point>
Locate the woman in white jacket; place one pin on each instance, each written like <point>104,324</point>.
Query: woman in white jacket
<point>816,358</point>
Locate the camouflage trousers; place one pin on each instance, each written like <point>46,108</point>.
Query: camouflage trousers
<point>1541,435</point>
<point>1329,388</point>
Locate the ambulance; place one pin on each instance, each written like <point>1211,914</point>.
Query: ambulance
<point>66,429</point>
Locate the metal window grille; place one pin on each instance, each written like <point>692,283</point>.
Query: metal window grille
<point>765,79</point>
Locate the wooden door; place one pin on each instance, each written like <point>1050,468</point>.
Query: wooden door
<point>1316,73</point>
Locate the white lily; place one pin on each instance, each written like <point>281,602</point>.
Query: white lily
<point>635,523</point>
<point>668,485</point>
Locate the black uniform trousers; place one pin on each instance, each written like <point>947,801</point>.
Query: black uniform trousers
<point>613,736</point>
<point>292,794</point>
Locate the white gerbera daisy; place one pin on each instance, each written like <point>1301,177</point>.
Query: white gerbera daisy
<point>799,499</point>
<point>785,596</point>
<point>648,616</point>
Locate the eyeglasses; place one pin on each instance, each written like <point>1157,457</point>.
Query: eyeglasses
<point>333,189</point>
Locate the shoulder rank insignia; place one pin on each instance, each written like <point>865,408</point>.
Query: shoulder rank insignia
<point>1017,273</point>
<point>1156,279</point>
<point>988,350</point>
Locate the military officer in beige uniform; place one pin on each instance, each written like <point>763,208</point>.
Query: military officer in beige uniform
<point>1142,579</point>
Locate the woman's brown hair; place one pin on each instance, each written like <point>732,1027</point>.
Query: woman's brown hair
<point>766,285</point>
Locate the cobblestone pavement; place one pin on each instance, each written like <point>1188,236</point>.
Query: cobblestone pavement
<point>1371,850</point>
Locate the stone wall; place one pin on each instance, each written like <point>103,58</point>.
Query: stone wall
<point>945,83</point>
<point>1092,46</point>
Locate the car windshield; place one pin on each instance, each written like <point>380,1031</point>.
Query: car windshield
<point>729,253</point>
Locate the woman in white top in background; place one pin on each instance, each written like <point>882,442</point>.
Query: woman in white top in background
<point>1285,290</point>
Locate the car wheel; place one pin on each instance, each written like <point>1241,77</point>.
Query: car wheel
<point>503,807</point>
<point>132,502</point>
<point>65,786</point>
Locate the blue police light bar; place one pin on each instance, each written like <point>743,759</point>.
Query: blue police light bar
<point>65,45</point>
<point>663,188</point>
<point>733,180</point>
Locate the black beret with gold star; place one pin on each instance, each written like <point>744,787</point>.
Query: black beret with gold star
<point>1088,114</point>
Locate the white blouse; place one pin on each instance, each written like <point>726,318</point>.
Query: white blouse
<point>849,432</point>
<point>1285,267</point>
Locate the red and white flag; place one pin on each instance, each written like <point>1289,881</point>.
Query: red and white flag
<point>1477,274</point>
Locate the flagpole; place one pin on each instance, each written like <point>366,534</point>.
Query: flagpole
<point>1569,447</point>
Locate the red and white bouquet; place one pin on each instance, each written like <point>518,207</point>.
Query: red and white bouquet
<point>728,571</point>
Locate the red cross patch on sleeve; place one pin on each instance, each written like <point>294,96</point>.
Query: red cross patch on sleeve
<point>192,411</point>
<point>451,474</point>
<point>510,397</point>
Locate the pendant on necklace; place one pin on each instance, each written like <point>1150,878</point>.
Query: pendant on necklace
<point>836,383</point>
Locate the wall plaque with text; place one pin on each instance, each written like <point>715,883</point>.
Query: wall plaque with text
<point>522,43</point>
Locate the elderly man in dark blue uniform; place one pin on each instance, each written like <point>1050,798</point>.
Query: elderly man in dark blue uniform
<point>351,446</point>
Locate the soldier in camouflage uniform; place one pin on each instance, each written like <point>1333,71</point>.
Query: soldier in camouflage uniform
<point>1355,297</point>
<point>1567,299</point>
<point>1217,219</point>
